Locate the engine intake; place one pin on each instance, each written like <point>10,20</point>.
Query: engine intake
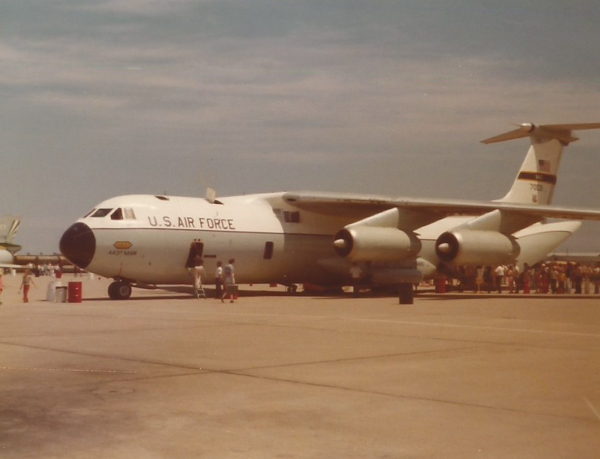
<point>472,247</point>
<point>367,243</point>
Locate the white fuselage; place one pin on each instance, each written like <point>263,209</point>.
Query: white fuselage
<point>270,241</point>
<point>145,239</point>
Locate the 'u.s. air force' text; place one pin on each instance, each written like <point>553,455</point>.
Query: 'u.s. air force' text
<point>223,224</point>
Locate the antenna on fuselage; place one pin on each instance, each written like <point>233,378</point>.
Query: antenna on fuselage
<point>211,195</point>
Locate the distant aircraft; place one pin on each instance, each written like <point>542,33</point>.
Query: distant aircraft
<point>9,225</point>
<point>305,237</point>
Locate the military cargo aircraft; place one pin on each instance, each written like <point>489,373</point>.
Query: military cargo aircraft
<point>315,238</point>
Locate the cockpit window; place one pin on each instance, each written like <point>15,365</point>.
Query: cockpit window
<point>89,213</point>
<point>117,214</point>
<point>101,213</point>
<point>129,213</point>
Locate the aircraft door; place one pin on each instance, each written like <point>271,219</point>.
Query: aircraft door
<point>196,250</point>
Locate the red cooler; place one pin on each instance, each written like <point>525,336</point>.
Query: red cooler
<point>74,292</point>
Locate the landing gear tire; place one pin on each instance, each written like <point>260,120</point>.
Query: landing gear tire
<point>406,293</point>
<point>119,291</point>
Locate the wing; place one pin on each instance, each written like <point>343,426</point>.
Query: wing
<point>360,206</point>
<point>9,266</point>
<point>339,204</point>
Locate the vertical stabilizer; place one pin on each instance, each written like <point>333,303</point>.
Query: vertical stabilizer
<point>538,174</point>
<point>537,177</point>
<point>9,225</point>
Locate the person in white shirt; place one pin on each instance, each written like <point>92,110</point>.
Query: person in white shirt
<point>198,273</point>
<point>500,270</point>
<point>219,281</point>
<point>356,274</point>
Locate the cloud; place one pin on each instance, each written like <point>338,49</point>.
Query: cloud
<point>383,97</point>
<point>145,8</point>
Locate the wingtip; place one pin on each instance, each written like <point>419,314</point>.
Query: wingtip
<point>562,132</point>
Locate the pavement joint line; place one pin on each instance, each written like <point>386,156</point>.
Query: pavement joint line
<point>409,397</point>
<point>520,330</point>
<point>67,370</point>
<point>427,324</point>
<point>115,357</point>
<point>592,407</point>
<point>387,320</point>
<point>358,358</point>
<point>103,356</point>
<point>402,322</point>
<point>244,373</point>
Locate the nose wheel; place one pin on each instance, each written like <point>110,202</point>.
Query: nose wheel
<point>119,290</point>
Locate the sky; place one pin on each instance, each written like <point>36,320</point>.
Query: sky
<point>102,98</point>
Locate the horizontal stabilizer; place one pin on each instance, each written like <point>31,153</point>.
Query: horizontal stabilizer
<point>560,132</point>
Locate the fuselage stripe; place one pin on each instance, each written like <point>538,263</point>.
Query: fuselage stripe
<point>538,177</point>
<point>196,230</point>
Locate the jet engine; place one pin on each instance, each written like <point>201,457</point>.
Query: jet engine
<point>476,247</point>
<point>6,257</point>
<point>370,243</point>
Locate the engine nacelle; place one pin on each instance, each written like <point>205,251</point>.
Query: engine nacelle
<point>370,243</point>
<point>6,257</point>
<point>476,247</point>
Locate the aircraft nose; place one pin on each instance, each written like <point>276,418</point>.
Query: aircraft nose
<point>78,244</point>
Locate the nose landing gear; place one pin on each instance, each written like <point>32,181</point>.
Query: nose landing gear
<point>119,290</point>
<point>292,288</point>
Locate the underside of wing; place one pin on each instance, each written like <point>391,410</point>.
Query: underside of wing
<point>339,204</point>
<point>10,266</point>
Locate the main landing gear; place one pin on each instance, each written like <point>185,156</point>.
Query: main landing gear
<point>406,293</point>
<point>119,290</point>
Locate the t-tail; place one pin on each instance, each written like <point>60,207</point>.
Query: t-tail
<point>537,177</point>
<point>9,224</point>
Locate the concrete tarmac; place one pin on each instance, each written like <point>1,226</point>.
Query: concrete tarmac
<point>165,375</point>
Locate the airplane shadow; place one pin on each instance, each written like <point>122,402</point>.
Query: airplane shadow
<point>484,296</point>
<point>187,293</point>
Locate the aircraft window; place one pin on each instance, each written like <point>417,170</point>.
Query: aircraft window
<point>101,213</point>
<point>117,214</point>
<point>287,216</point>
<point>129,213</point>
<point>89,213</point>
<point>268,253</point>
<point>162,198</point>
<point>291,217</point>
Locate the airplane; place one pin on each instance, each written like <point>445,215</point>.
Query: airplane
<point>294,238</point>
<point>9,225</point>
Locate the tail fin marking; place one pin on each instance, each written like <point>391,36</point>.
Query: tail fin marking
<point>537,177</point>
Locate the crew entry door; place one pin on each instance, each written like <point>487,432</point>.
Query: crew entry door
<point>196,250</point>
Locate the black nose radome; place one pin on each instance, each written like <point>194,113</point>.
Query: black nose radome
<point>78,244</point>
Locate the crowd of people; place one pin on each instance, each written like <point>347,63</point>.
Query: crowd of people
<point>553,277</point>
<point>46,269</point>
